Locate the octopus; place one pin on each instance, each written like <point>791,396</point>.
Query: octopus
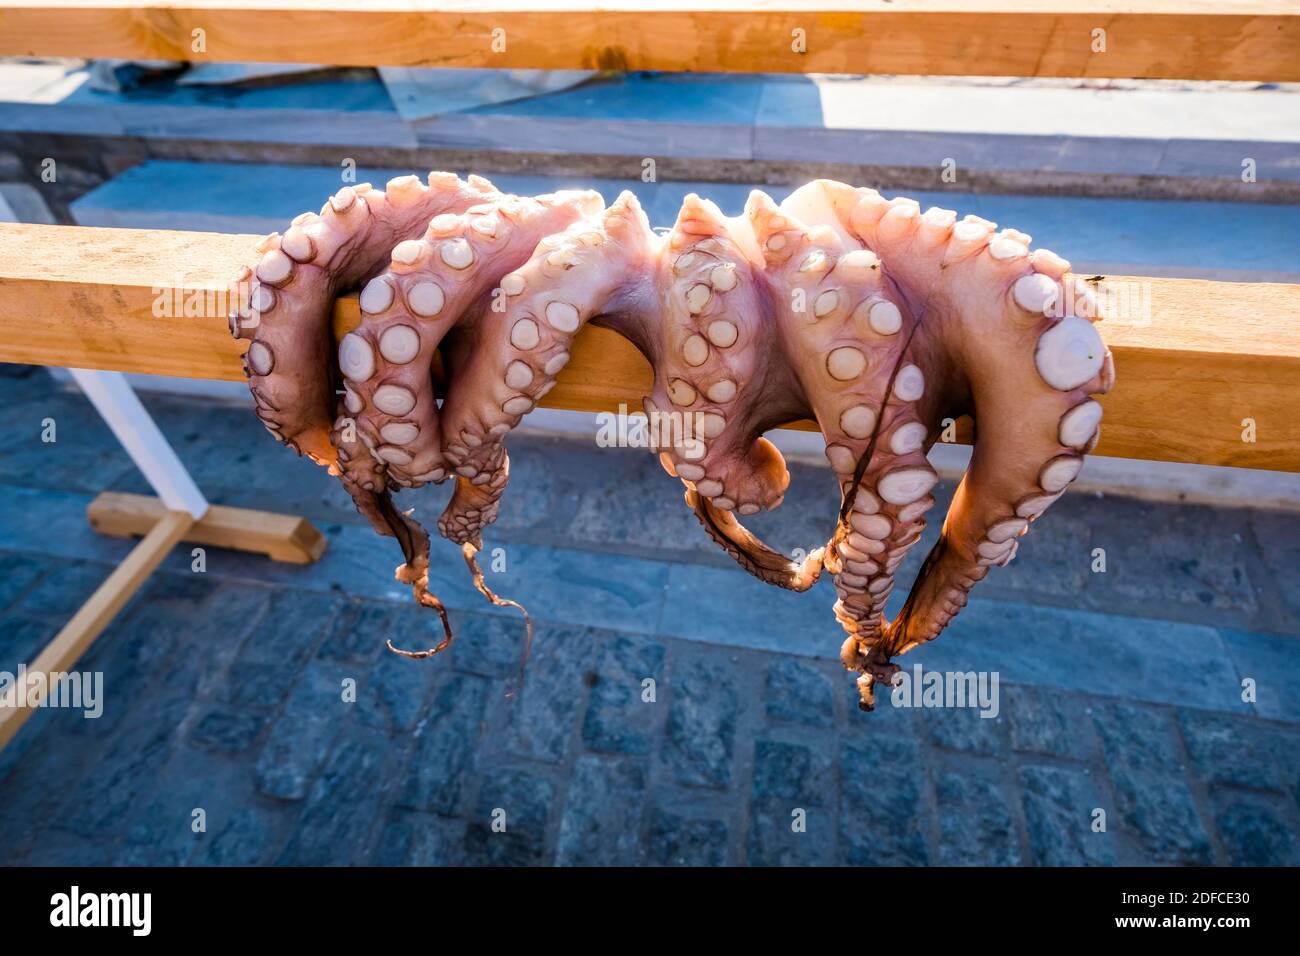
<point>882,322</point>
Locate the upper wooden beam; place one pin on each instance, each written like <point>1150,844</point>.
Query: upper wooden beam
<point>1202,366</point>
<point>1168,39</point>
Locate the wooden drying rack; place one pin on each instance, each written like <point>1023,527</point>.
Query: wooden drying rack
<point>1208,356</point>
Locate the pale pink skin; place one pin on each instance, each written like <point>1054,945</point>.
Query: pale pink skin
<point>861,313</point>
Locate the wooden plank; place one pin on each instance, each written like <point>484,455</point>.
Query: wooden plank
<point>287,538</point>
<point>87,624</point>
<point>1195,359</point>
<point>1183,39</point>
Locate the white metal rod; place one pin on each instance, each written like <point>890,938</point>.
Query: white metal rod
<point>117,402</point>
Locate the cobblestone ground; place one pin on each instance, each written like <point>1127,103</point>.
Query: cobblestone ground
<point>674,711</point>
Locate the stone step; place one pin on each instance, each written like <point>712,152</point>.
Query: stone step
<point>1213,240</point>
<point>1020,135</point>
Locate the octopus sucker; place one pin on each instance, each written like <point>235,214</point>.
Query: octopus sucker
<point>874,318</point>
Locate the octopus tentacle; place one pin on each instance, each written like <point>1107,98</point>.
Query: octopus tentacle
<point>292,288</point>
<point>510,359</point>
<point>435,285</point>
<point>875,318</point>
<point>1031,372</point>
<point>722,371</point>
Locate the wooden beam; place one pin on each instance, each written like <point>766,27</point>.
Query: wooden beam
<point>287,538</point>
<point>1197,361</point>
<point>1175,39</point>
<point>79,633</point>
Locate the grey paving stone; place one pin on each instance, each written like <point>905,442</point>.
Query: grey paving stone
<point>791,810</point>
<point>25,740</point>
<point>126,772</point>
<point>343,807</point>
<point>1212,157</point>
<point>781,835</point>
<point>976,826</point>
<point>1272,663</point>
<point>235,460</point>
<point>192,796</point>
<point>704,704</point>
<point>1256,830</point>
<point>17,574</point>
<point>84,457</point>
<point>601,825</point>
<point>530,498</point>
<point>43,750</point>
<point>488,645</point>
<point>202,670</point>
<point>794,773</point>
<point>542,715</point>
<point>887,719</point>
<point>359,631</point>
<point>1059,815</point>
<point>638,509</point>
<point>301,736</point>
<point>64,851</point>
<point>420,840</point>
<point>178,594</point>
<point>1049,722</point>
<point>444,747</point>
<point>1149,564</point>
<point>394,844</point>
<point>882,818</point>
<point>1055,559</point>
<point>53,523</point>
<point>439,842</point>
<point>396,690</point>
<point>1154,800</point>
<point>1161,813</point>
<point>282,632</point>
<point>1241,752</point>
<point>227,731</point>
<point>1278,534</point>
<point>151,854</point>
<point>1105,655</point>
<point>678,840</point>
<point>964,729</point>
<point>45,522</point>
<point>293,627</point>
<point>619,719</point>
<point>21,639</point>
<point>257,686</point>
<point>799,693</point>
<point>1136,738</point>
<point>246,838</point>
<point>583,588</point>
<point>59,595</point>
<point>217,634</point>
<point>522,803</point>
<point>752,614</point>
<point>1115,154</point>
<point>558,585</point>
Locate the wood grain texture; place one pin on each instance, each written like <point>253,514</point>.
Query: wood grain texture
<point>1180,39</point>
<point>1195,358</point>
<point>286,538</point>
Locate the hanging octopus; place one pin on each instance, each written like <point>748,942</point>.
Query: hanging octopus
<point>874,318</point>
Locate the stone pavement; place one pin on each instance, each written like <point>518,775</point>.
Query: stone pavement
<point>674,711</point>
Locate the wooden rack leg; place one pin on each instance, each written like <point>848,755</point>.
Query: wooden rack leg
<point>87,624</point>
<point>280,537</point>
